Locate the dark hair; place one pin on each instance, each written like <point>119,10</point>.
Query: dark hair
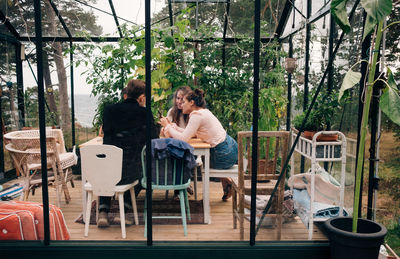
<point>135,88</point>
<point>198,97</point>
<point>124,91</point>
<point>175,112</point>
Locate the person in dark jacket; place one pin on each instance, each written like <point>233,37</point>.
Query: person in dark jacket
<point>124,126</point>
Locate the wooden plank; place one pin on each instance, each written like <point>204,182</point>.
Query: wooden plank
<point>221,227</point>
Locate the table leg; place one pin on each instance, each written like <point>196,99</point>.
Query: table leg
<point>206,188</point>
<point>84,198</point>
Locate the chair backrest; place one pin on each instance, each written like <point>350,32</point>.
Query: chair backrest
<point>272,153</point>
<point>102,167</point>
<point>26,139</point>
<point>167,173</point>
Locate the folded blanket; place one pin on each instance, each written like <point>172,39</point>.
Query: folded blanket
<point>324,192</point>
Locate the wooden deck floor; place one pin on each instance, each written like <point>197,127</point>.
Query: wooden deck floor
<point>220,229</point>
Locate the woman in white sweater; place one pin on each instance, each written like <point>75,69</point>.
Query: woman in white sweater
<point>204,125</point>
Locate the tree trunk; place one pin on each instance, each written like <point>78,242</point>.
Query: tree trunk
<point>61,74</point>
<point>12,107</point>
<point>62,87</point>
<point>49,87</point>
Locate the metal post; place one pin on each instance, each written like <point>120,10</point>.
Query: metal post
<point>20,85</point>
<point>228,4</point>
<point>372,150</point>
<point>255,121</point>
<point>330,51</point>
<point>289,94</point>
<point>71,61</point>
<point>171,19</point>
<point>307,56</point>
<point>306,69</point>
<point>379,128</point>
<point>148,123</point>
<point>330,70</point>
<point>42,119</point>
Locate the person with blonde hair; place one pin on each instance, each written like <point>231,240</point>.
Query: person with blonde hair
<point>175,114</point>
<point>204,125</point>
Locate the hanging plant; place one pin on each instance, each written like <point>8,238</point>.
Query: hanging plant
<point>290,65</point>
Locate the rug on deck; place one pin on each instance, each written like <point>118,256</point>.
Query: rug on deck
<point>168,207</point>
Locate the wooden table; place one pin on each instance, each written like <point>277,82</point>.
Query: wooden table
<point>200,149</point>
<point>94,141</point>
<point>203,149</point>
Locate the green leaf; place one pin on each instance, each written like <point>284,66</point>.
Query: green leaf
<point>350,79</point>
<point>391,82</point>
<point>376,10</point>
<point>369,27</point>
<point>338,10</point>
<point>390,104</point>
<point>169,41</point>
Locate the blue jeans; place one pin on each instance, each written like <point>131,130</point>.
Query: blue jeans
<point>225,154</point>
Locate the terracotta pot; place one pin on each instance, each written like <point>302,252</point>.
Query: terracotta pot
<point>310,134</point>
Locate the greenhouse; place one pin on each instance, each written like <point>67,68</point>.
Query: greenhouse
<point>200,128</point>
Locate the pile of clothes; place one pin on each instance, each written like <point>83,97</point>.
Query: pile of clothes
<point>326,195</point>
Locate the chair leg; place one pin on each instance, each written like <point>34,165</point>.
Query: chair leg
<point>187,204</point>
<point>67,173</point>
<point>122,213</point>
<point>183,214</point>
<point>97,207</point>
<point>88,209</point>
<point>58,194</point>
<point>25,195</point>
<point>195,183</point>
<point>234,208</point>
<point>241,215</point>
<point>133,199</point>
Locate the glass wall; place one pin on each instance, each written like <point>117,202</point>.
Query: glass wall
<point>193,52</point>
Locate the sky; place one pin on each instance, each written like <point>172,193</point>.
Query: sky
<point>132,10</point>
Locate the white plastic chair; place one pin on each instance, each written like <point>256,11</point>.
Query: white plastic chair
<point>102,168</point>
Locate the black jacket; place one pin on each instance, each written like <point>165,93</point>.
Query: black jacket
<point>124,125</point>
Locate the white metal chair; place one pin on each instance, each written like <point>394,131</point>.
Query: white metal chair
<point>102,168</point>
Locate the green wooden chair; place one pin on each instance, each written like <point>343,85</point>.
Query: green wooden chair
<point>167,174</point>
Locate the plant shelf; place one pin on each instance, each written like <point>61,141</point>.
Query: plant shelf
<point>318,151</point>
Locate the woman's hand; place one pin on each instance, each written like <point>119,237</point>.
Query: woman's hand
<point>164,121</point>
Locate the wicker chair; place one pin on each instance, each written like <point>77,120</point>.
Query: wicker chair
<point>24,147</point>
<point>272,148</point>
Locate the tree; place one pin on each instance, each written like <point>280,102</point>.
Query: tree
<point>21,15</point>
<point>241,14</point>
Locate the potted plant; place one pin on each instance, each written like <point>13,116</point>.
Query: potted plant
<point>320,117</point>
<point>356,236</point>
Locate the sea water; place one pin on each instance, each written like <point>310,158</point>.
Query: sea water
<point>85,109</point>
